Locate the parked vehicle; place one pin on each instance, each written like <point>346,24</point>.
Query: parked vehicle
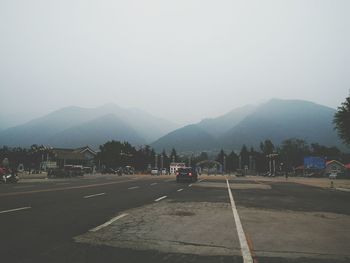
<point>186,174</point>
<point>8,176</point>
<point>154,172</point>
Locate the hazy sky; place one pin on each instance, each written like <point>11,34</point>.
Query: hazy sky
<point>178,59</point>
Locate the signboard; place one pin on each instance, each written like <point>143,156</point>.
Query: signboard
<point>312,162</point>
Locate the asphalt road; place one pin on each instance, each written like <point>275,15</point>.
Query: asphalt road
<point>182,222</point>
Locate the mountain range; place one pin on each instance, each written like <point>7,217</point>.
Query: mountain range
<point>76,126</point>
<point>275,119</point>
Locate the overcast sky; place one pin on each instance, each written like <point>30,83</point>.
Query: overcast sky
<point>179,59</point>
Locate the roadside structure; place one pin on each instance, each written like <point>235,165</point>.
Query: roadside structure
<point>83,156</point>
<point>334,166</point>
<point>175,166</point>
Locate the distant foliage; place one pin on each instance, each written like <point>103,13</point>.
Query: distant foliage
<point>342,121</point>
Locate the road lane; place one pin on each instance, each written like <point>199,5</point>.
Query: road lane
<point>57,216</point>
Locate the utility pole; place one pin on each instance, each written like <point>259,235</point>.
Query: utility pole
<point>162,162</point>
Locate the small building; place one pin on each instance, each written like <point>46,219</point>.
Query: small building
<point>81,156</point>
<point>336,167</point>
<point>175,166</point>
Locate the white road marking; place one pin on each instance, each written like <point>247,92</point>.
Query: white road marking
<point>190,185</point>
<point>89,196</point>
<point>108,223</point>
<point>180,190</point>
<point>153,184</point>
<point>132,188</point>
<point>160,198</point>
<point>246,254</point>
<point>16,209</point>
<point>201,180</point>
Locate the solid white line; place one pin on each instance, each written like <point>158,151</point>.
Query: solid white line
<point>190,185</point>
<point>108,223</point>
<point>161,198</point>
<point>180,190</point>
<point>16,209</point>
<point>89,196</point>
<point>132,188</point>
<point>247,256</point>
<point>153,184</point>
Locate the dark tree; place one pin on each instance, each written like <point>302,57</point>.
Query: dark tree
<point>173,155</point>
<point>244,156</point>
<point>342,121</point>
<point>267,147</point>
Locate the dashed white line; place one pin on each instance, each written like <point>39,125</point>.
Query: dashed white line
<point>246,254</point>
<point>108,223</point>
<point>16,209</point>
<point>179,190</point>
<point>153,184</point>
<point>89,196</point>
<point>190,185</point>
<point>132,188</point>
<point>160,198</point>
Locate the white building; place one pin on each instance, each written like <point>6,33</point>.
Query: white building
<point>175,166</point>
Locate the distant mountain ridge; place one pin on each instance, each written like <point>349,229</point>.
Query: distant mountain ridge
<point>75,126</point>
<point>276,119</point>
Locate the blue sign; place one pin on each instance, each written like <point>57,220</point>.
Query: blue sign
<point>311,162</point>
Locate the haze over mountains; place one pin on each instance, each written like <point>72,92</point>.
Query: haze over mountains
<point>276,120</point>
<point>76,126</point>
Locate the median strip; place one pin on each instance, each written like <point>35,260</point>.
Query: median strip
<point>246,254</point>
<point>161,198</point>
<point>13,210</point>
<point>108,223</point>
<point>89,196</point>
